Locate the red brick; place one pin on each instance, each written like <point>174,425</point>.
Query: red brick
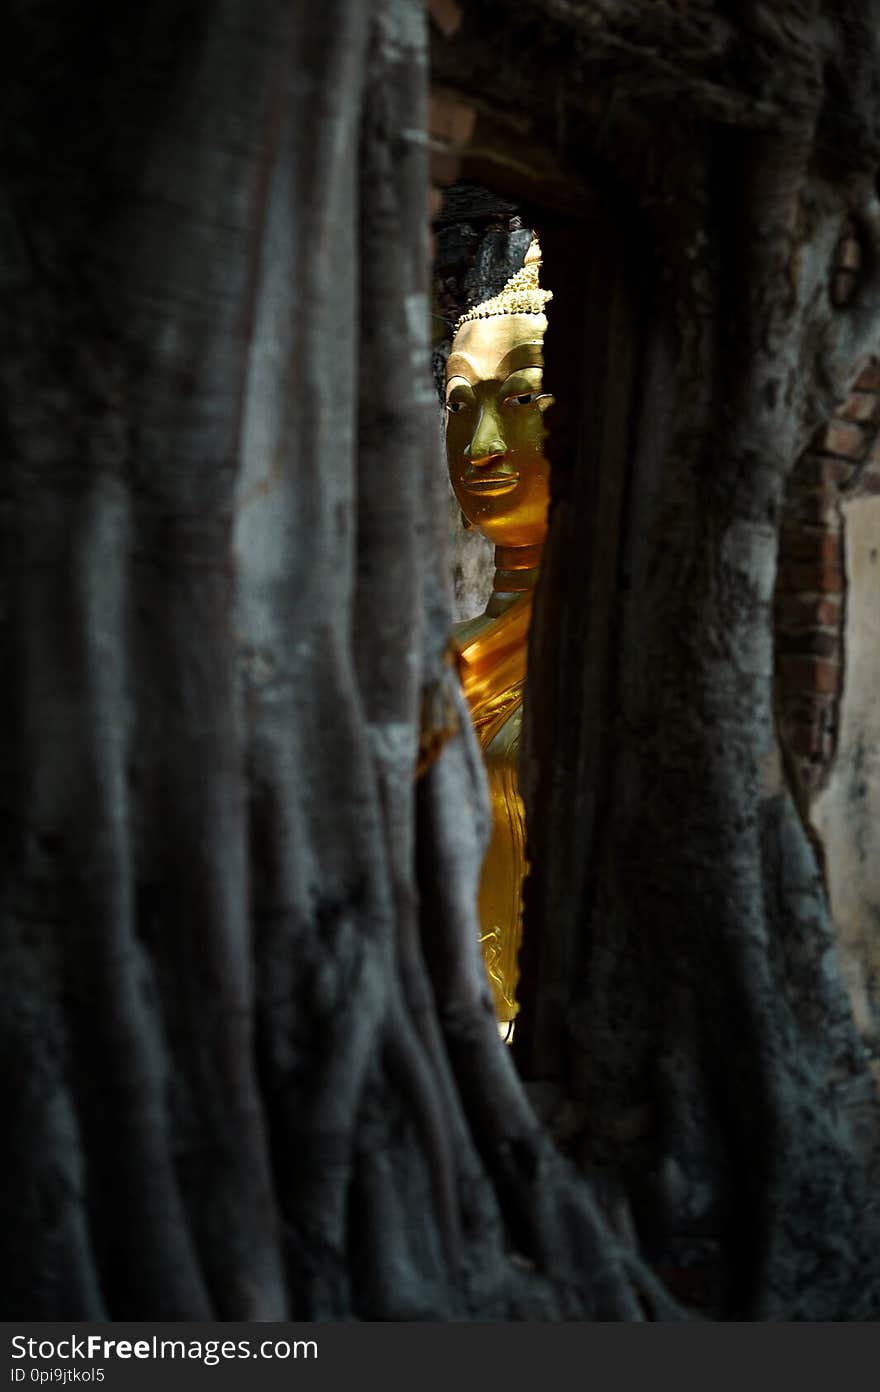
<point>809,471</point>
<point>837,472</point>
<point>445,167</point>
<point>870,482</point>
<point>814,643</point>
<point>450,120</point>
<point>801,578</point>
<point>804,739</point>
<point>811,490</point>
<point>869,377</point>
<point>794,613</point>
<point>813,505</point>
<point>814,511</point>
<point>810,708</point>
<point>860,406</point>
<point>829,613</point>
<point>814,471</point>
<point>809,673</point>
<point>810,543</point>
<point>446,14</point>
<point>843,438</point>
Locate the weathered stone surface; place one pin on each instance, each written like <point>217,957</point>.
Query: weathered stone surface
<point>846,813</point>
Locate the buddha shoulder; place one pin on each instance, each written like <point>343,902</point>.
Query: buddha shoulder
<point>468,629</point>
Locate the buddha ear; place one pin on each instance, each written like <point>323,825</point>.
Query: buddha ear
<point>468,526</point>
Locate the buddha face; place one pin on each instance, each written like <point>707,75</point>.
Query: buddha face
<point>495,431</point>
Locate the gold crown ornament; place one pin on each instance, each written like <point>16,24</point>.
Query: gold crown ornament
<point>521,295</point>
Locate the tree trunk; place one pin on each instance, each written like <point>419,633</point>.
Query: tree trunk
<point>252,1069</point>
<point>693,1001</point>
<point>235,1089</point>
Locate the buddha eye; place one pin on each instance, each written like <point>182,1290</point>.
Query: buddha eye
<point>453,407</point>
<point>524,398</point>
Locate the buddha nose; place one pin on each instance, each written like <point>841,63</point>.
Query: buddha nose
<point>487,442</point>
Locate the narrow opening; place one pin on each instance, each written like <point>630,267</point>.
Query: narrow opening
<point>511,581</point>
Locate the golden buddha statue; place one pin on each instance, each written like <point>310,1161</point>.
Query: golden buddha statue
<point>495,404</point>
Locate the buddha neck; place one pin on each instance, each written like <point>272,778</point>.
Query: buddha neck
<point>516,572</point>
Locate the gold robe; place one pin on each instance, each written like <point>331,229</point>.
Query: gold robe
<point>493,669</point>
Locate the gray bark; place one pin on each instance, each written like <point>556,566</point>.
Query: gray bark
<point>234,1088</point>
<point>250,1062</point>
<point>692,1001</point>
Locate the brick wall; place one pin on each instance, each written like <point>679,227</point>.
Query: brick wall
<point>450,126</point>
<point>843,460</point>
<point>810,614</point>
